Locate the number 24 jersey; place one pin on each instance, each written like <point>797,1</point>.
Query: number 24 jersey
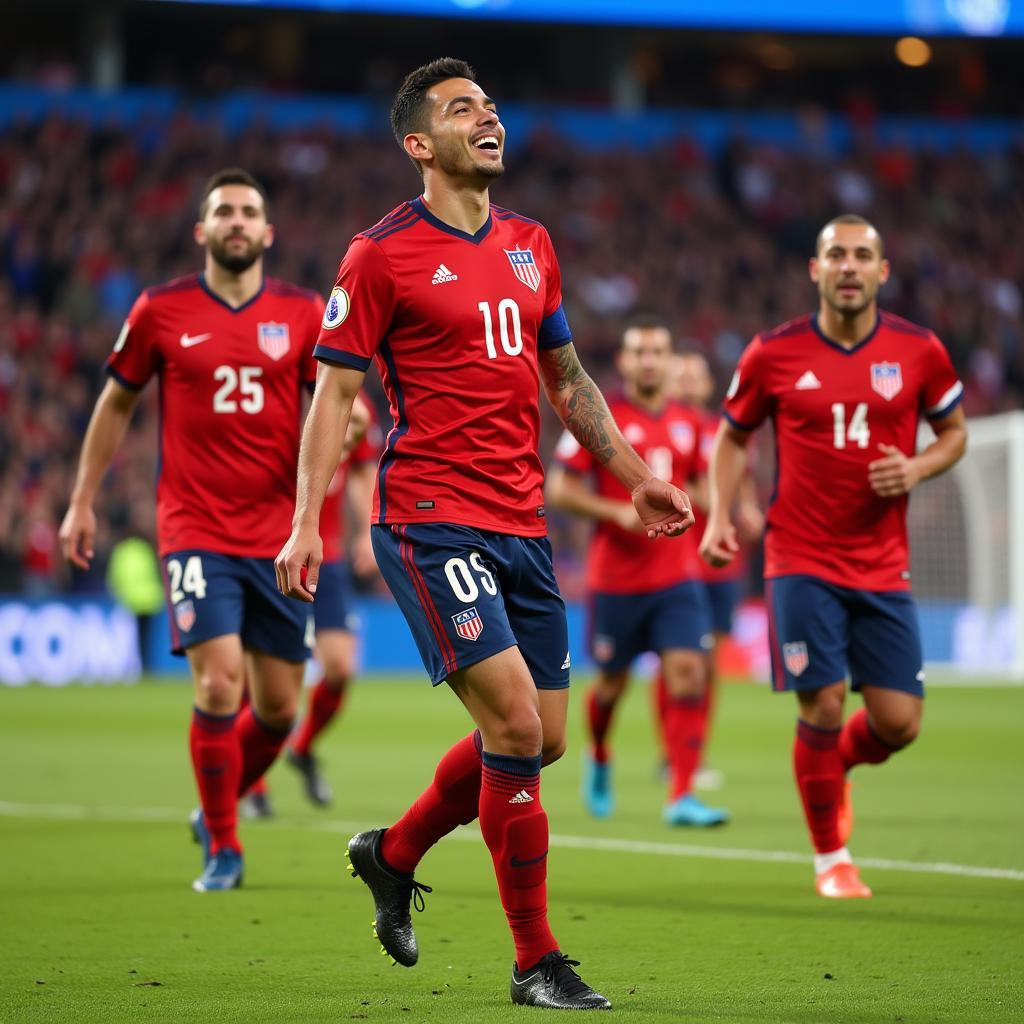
<point>832,408</point>
<point>454,322</point>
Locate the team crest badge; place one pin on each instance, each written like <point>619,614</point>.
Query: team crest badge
<point>795,657</point>
<point>468,624</point>
<point>682,435</point>
<point>273,340</point>
<point>336,309</point>
<point>185,615</point>
<point>887,379</point>
<point>524,266</point>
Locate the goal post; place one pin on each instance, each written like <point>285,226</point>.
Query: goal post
<point>967,555</point>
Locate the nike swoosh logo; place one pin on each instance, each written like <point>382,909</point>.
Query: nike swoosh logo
<point>188,340</point>
<point>517,863</point>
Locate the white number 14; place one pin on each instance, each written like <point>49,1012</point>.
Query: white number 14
<point>858,430</point>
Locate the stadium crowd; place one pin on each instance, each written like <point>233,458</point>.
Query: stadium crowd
<point>716,243</point>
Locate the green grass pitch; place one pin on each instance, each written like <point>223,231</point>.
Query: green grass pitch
<point>99,923</point>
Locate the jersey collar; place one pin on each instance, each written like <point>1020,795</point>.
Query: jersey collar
<point>227,305</point>
<point>842,348</point>
<point>424,211</point>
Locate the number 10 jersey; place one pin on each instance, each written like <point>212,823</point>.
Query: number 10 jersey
<point>454,322</point>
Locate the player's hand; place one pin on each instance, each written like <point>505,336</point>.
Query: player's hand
<point>626,518</point>
<point>894,474</point>
<point>78,535</point>
<point>663,508</point>
<point>749,522</point>
<point>297,567</point>
<point>719,546</point>
<point>363,561</point>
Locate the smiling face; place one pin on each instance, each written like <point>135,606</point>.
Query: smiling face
<point>234,227</point>
<point>849,268</point>
<point>464,139</point>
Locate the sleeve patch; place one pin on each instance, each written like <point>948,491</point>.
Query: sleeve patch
<point>337,309</point>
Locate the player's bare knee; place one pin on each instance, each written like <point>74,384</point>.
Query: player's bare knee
<point>823,708</point>
<point>218,692</point>
<point>553,749</point>
<point>898,732</point>
<point>520,734</point>
<point>684,674</point>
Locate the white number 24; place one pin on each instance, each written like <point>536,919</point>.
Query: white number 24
<point>187,580</point>
<point>857,431</point>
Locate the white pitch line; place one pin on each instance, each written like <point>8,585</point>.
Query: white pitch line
<point>84,812</point>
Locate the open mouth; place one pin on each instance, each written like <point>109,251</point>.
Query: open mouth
<point>488,143</point>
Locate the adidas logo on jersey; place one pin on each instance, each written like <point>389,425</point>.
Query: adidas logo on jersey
<point>522,797</point>
<point>443,275</point>
<point>808,382</point>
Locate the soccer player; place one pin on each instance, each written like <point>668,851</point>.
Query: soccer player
<point>459,301</point>
<point>233,352</point>
<point>641,598</point>
<point>845,389</point>
<point>692,383</point>
<point>334,610</point>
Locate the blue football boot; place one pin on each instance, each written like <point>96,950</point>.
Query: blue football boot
<point>688,810</point>
<point>200,833</point>
<point>597,788</point>
<point>224,871</point>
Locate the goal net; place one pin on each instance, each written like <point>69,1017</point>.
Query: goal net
<point>967,555</point>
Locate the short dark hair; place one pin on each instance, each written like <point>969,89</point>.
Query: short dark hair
<point>407,112</point>
<point>645,321</point>
<point>849,218</point>
<point>230,176</point>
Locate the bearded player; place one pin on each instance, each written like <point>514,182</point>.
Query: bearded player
<point>233,354</point>
<point>459,302</point>
<point>845,389</point>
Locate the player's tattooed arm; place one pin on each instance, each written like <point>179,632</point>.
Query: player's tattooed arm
<point>579,403</point>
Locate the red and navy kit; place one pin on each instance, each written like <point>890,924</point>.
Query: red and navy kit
<point>831,408</point>
<point>231,384</point>
<point>619,561</point>
<point>454,322</point>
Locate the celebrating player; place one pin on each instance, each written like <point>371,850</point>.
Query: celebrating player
<point>641,600</point>
<point>233,351</point>
<point>460,303</point>
<point>845,389</point>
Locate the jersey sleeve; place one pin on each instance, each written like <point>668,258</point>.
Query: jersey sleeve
<point>747,402</point>
<point>943,389</point>
<point>359,309</point>
<point>571,455</point>
<point>136,356</point>
<point>554,329</point>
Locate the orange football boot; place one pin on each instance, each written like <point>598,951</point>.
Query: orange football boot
<point>841,882</point>
<point>846,813</point>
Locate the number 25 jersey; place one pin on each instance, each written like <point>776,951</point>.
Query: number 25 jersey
<point>832,408</point>
<point>454,322</point>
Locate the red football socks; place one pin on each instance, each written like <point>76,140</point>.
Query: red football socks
<point>260,744</point>
<point>325,700</point>
<point>685,721</point>
<point>452,799</point>
<point>858,743</point>
<point>599,719</point>
<point>515,829</point>
<point>659,694</point>
<point>217,763</point>
<point>820,778</point>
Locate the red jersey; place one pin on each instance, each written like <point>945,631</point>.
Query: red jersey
<point>332,512</point>
<point>618,561</point>
<point>831,409</point>
<point>231,405</point>
<point>454,322</point>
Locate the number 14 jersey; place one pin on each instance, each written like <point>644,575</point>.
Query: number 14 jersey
<point>454,322</point>
<point>832,408</point>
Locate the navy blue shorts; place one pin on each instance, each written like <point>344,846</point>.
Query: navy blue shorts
<point>209,594</point>
<point>818,630</point>
<point>624,626</point>
<point>722,596</point>
<point>335,606</point>
<point>468,594</point>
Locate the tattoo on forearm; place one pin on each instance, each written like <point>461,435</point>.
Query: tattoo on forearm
<point>584,410</point>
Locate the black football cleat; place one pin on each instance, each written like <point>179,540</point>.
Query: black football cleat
<point>552,984</point>
<point>317,788</point>
<point>392,892</point>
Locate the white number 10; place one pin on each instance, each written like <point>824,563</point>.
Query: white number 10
<point>858,431</point>
<point>511,342</point>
